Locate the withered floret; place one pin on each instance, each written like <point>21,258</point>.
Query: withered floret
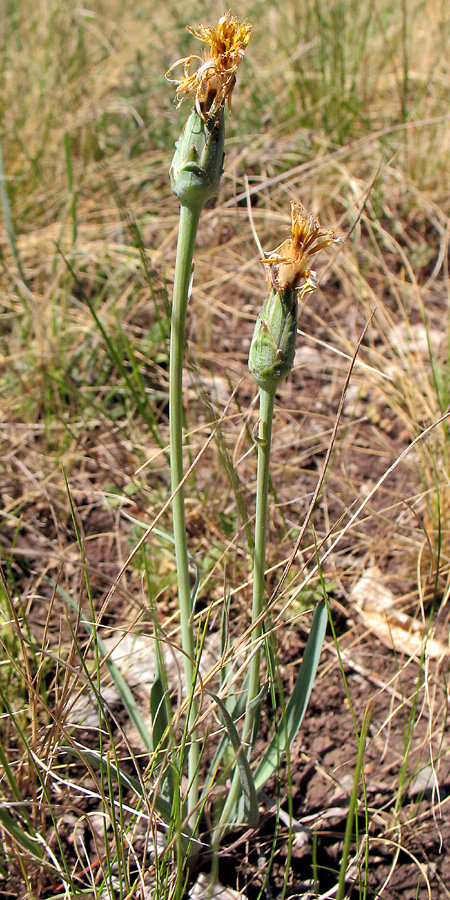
<point>289,264</point>
<point>213,82</point>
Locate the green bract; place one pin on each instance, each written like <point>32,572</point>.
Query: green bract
<point>197,164</point>
<point>273,344</point>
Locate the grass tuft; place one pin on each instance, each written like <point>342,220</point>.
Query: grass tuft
<point>344,107</point>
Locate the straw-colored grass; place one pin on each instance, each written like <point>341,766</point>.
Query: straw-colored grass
<point>341,106</point>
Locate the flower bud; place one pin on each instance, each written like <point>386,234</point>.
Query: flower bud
<point>272,349</point>
<point>197,164</point>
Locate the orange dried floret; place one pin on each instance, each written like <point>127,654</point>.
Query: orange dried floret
<point>289,263</point>
<point>213,82</point>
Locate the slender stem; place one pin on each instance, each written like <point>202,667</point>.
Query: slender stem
<point>189,219</point>
<point>266,404</point>
<point>353,806</point>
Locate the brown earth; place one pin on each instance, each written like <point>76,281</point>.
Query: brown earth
<point>403,825</point>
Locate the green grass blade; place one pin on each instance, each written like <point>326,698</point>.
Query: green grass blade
<point>96,761</point>
<point>289,724</point>
<point>250,798</point>
<point>158,710</point>
<point>7,771</point>
<point>25,840</point>
<point>120,682</point>
<point>353,803</point>
<point>8,219</point>
<point>170,539</point>
<point>133,389</point>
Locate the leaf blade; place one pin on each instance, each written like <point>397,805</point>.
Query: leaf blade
<point>289,724</point>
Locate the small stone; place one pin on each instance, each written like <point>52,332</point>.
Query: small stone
<point>206,889</point>
<point>424,783</point>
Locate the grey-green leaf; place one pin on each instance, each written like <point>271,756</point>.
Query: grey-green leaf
<point>289,724</point>
<point>158,709</point>
<point>251,810</point>
<point>97,761</point>
<point>120,682</point>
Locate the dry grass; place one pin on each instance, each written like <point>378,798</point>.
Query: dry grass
<point>357,133</point>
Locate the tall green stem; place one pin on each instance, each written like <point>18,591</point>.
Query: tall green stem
<point>266,404</point>
<point>189,218</point>
<point>195,174</point>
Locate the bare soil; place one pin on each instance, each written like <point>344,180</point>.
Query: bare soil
<point>402,846</point>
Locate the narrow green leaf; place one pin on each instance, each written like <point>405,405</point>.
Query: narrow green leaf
<point>140,400</point>
<point>170,539</point>
<point>160,705</point>
<point>245,772</point>
<point>8,771</point>
<point>124,690</point>
<point>125,693</point>
<point>26,841</point>
<point>259,697</point>
<point>225,669</point>
<point>96,761</point>
<point>289,724</point>
<point>8,220</point>
<point>158,710</point>
<point>353,805</point>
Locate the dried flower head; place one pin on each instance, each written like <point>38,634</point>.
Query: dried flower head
<point>289,263</point>
<point>214,80</point>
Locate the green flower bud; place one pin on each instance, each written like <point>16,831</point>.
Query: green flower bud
<point>197,164</point>
<point>272,349</point>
